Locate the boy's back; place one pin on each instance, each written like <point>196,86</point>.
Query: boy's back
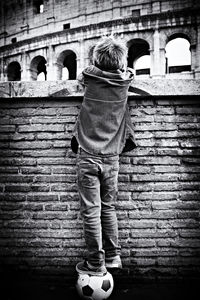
<point>101,124</point>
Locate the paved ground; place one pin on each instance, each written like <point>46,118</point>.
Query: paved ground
<point>23,287</point>
<point>137,291</point>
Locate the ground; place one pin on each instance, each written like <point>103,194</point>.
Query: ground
<point>131,291</point>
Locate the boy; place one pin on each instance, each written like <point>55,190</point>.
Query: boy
<point>103,131</point>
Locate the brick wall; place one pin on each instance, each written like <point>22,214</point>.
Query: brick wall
<point>158,204</point>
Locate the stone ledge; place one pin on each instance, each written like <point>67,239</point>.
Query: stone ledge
<point>30,89</point>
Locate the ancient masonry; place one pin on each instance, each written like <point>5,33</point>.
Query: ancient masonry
<point>41,230</point>
<point>45,35</point>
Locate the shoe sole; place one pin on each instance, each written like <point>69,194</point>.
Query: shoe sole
<point>113,266</point>
<point>89,272</point>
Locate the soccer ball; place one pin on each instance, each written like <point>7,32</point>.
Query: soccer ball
<point>94,287</point>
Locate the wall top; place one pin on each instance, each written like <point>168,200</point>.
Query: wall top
<point>14,89</point>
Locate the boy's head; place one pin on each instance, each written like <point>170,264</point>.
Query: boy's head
<point>110,54</point>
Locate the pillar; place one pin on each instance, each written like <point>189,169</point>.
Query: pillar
<point>24,69</point>
<point>195,55</point>
<point>51,64</point>
<point>157,57</point>
<point>1,69</point>
<point>80,61</point>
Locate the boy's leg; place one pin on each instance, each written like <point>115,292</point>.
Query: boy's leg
<point>89,192</point>
<point>109,190</point>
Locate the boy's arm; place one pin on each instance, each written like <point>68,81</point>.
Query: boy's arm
<point>80,79</point>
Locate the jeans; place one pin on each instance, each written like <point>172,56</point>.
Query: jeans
<point>98,187</point>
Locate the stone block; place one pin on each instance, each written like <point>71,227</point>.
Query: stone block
<point>5,91</point>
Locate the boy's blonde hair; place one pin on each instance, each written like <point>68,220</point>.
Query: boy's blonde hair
<point>110,54</point>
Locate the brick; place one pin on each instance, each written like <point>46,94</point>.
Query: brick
<point>156,195</point>
<point>15,197</point>
<point>153,215</point>
<point>23,137</point>
<point>191,223</point>
<point>51,120</point>
<point>59,187</point>
<point>17,161</point>
<point>137,224</point>
<point>143,243</point>
<point>188,214</point>
<point>54,215</point>
<point>70,196</point>
<point>56,160</point>
<point>9,170</point>
<point>189,126</point>
<point>149,233</point>
<point>63,170</point>
<point>177,169</point>
<point>52,136</point>
<point>189,195</point>
<point>16,178</point>
<point>35,170</point>
<point>17,188</point>
<point>187,111</point>
<point>190,144</point>
<point>45,153</point>
<point>42,197</point>
<point>156,161</point>
<point>186,233</point>
<point>55,178</point>
<point>41,128</point>
<point>56,207</point>
<point>27,188</point>
<point>5,137</point>
<point>61,144</point>
<point>155,177</point>
<point>31,145</point>
<point>7,128</point>
<point>155,127</point>
<point>178,261</point>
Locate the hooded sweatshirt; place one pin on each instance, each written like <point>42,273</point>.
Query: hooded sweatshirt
<point>103,126</point>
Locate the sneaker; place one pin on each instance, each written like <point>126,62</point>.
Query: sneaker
<point>86,268</point>
<point>114,262</point>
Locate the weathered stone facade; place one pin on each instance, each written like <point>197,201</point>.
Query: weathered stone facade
<point>64,32</point>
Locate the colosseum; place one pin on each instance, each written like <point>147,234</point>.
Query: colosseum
<point>53,39</point>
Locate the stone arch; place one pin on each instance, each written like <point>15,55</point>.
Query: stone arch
<point>173,34</point>
<point>168,34</point>
<point>38,66</point>
<point>67,59</point>
<point>14,71</point>
<point>178,61</point>
<point>138,48</point>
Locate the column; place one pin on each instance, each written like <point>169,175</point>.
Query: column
<point>24,70</point>
<point>157,57</point>
<point>1,70</point>
<point>195,55</point>
<point>80,60</point>
<point>51,64</point>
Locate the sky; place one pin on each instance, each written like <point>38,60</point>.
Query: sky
<point>177,52</point>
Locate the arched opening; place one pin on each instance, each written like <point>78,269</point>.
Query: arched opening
<point>178,55</point>
<point>67,65</point>
<point>38,68</point>
<point>142,65</point>
<point>65,73</point>
<point>139,56</point>
<point>14,71</point>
